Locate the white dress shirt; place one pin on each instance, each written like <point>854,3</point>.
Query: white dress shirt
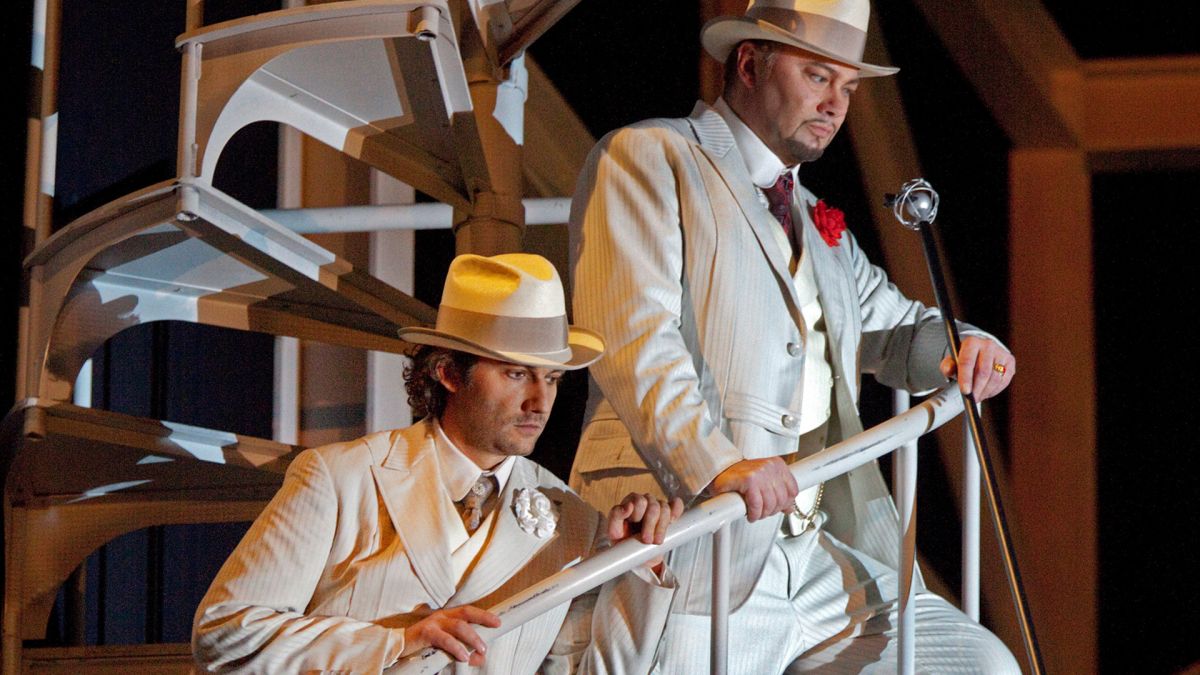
<point>458,474</point>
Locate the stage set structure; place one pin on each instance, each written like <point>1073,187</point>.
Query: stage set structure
<point>438,96</point>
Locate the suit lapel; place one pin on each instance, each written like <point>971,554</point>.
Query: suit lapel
<point>508,548</point>
<point>836,295</point>
<point>718,147</point>
<point>410,487</point>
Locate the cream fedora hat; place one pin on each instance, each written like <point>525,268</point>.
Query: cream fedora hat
<point>836,29</point>
<point>508,307</point>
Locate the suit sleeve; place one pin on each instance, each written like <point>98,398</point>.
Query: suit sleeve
<point>252,619</point>
<point>629,286</point>
<point>903,341</point>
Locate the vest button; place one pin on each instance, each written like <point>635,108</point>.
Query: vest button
<point>793,349</point>
<point>789,421</point>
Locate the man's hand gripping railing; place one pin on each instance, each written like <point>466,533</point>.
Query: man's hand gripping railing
<point>704,518</point>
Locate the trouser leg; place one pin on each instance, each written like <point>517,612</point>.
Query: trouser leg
<point>821,606</point>
<point>851,615</point>
<point>763,632</point>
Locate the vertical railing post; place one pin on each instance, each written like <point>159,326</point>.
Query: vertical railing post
<point>285,401</point>
<point>41,152</point>
<point>970,525</point>
<point>719,645</point>
<point>189,99</point>
<point>75,589</point>
<point>905,479</point>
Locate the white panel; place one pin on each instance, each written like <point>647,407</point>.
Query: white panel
<point>49,154</point>
<point>209,445</point>
<point>345,74</point>
<point>81,393</point>
<point>38,41</point>
<point>391,262</point>
<point>265,96</point>
<point>191,262</point>
<point>510,100</point>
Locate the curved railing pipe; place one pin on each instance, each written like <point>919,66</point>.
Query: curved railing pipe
<point>700,520</point>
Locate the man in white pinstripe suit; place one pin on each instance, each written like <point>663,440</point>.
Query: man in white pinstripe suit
<point>376,548</point>
<point>739,317</point>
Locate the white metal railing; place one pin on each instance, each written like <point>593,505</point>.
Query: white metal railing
<point>714,514</point>
<point>904,480</point>
<point>970,527</point>
<point>904,474</point>
<point>382,217</point>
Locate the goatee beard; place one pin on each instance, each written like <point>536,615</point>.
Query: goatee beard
<point>801,153</point>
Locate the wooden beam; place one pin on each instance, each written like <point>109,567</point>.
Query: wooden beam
<point>1141,104</point>
<point>1133,161</point>
<point>556,140</point>
<point>164,659</point>
<point>556,144</point>
<point>711,80</point>
<point>1053,402</point>
<point>332,397</point>
<point>1023,68</point>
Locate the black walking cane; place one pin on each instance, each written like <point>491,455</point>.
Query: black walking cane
<point>915,207</point>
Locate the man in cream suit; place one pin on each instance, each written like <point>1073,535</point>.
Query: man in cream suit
<point>739,317</point>
<point>375,549</point>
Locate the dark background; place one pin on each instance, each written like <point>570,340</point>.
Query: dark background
<point>618,61</point>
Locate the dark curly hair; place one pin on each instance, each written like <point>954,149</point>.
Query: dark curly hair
<point>426,395</point>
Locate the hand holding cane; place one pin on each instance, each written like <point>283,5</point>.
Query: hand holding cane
<point>915,207</point>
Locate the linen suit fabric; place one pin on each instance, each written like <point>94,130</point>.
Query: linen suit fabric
<point>676,263</point>
<point>352,549</point>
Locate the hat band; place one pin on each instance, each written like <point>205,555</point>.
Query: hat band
<point>836,37</point>
<point>530,335</point>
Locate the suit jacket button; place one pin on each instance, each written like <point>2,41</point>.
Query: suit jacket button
<point>789,421</point>
<point>793,349</point>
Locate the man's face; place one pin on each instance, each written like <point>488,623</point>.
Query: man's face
<point>500,410</point>
<point>797,102</point>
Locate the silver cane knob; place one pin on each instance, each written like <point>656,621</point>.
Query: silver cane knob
<point>916,202</point>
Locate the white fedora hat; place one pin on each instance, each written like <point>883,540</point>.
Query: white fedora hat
<point>835,29</point>
<point>508,307</point>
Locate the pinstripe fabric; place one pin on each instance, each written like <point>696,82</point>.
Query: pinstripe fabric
<point>352,550</point>
<point>675,263</point>
<point>823,607</point>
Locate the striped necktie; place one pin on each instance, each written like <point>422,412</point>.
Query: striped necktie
<point>779,199</point>
<point>479,500</point>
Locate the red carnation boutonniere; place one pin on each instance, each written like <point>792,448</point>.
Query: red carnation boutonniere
<point>830,222</point>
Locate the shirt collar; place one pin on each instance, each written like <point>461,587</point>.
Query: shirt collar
<point>764,165</point>
<point>459,473</point>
